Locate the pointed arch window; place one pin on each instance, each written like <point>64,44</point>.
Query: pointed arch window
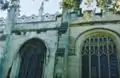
<point>99,58</point>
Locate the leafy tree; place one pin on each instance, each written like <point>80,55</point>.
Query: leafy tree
<point>117,6</point>
<point>68,4</point>
<point>102,3</point>
<point>71,4</point>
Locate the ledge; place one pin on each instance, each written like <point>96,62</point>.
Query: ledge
<point>107,17</point>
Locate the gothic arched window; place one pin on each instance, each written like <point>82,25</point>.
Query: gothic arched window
<point>99,58</point>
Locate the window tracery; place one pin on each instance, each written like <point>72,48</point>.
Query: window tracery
<point>99,58</point>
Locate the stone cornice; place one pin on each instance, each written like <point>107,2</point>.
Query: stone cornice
<point>33,18</point>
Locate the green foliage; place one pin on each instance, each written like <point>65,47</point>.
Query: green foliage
<point>102,3</point>
<point>76,7</point>
<point>71,4</point>
<point>68,4</point>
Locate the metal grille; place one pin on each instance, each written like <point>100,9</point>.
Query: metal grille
<point>99,58</point>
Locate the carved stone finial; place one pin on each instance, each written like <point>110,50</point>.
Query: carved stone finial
<point>41,9</point>
<point>117,7</point>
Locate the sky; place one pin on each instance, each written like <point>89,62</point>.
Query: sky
<point>29,7</point>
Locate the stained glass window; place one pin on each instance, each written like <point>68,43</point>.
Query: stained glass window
<point>99,58</point>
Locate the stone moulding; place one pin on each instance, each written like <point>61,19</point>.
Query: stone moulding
<point>39,21</point>
<point>32,18</point>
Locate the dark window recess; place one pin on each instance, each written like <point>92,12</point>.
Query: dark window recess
<point>60,51</point>
<point>18,33</point>
<point>109,1</point>
<point>3,37</point>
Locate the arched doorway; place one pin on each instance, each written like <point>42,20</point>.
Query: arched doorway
<point>32,55</point>
<point>99,57</point>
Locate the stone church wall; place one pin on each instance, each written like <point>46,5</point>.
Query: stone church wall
<point>77,35</point>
